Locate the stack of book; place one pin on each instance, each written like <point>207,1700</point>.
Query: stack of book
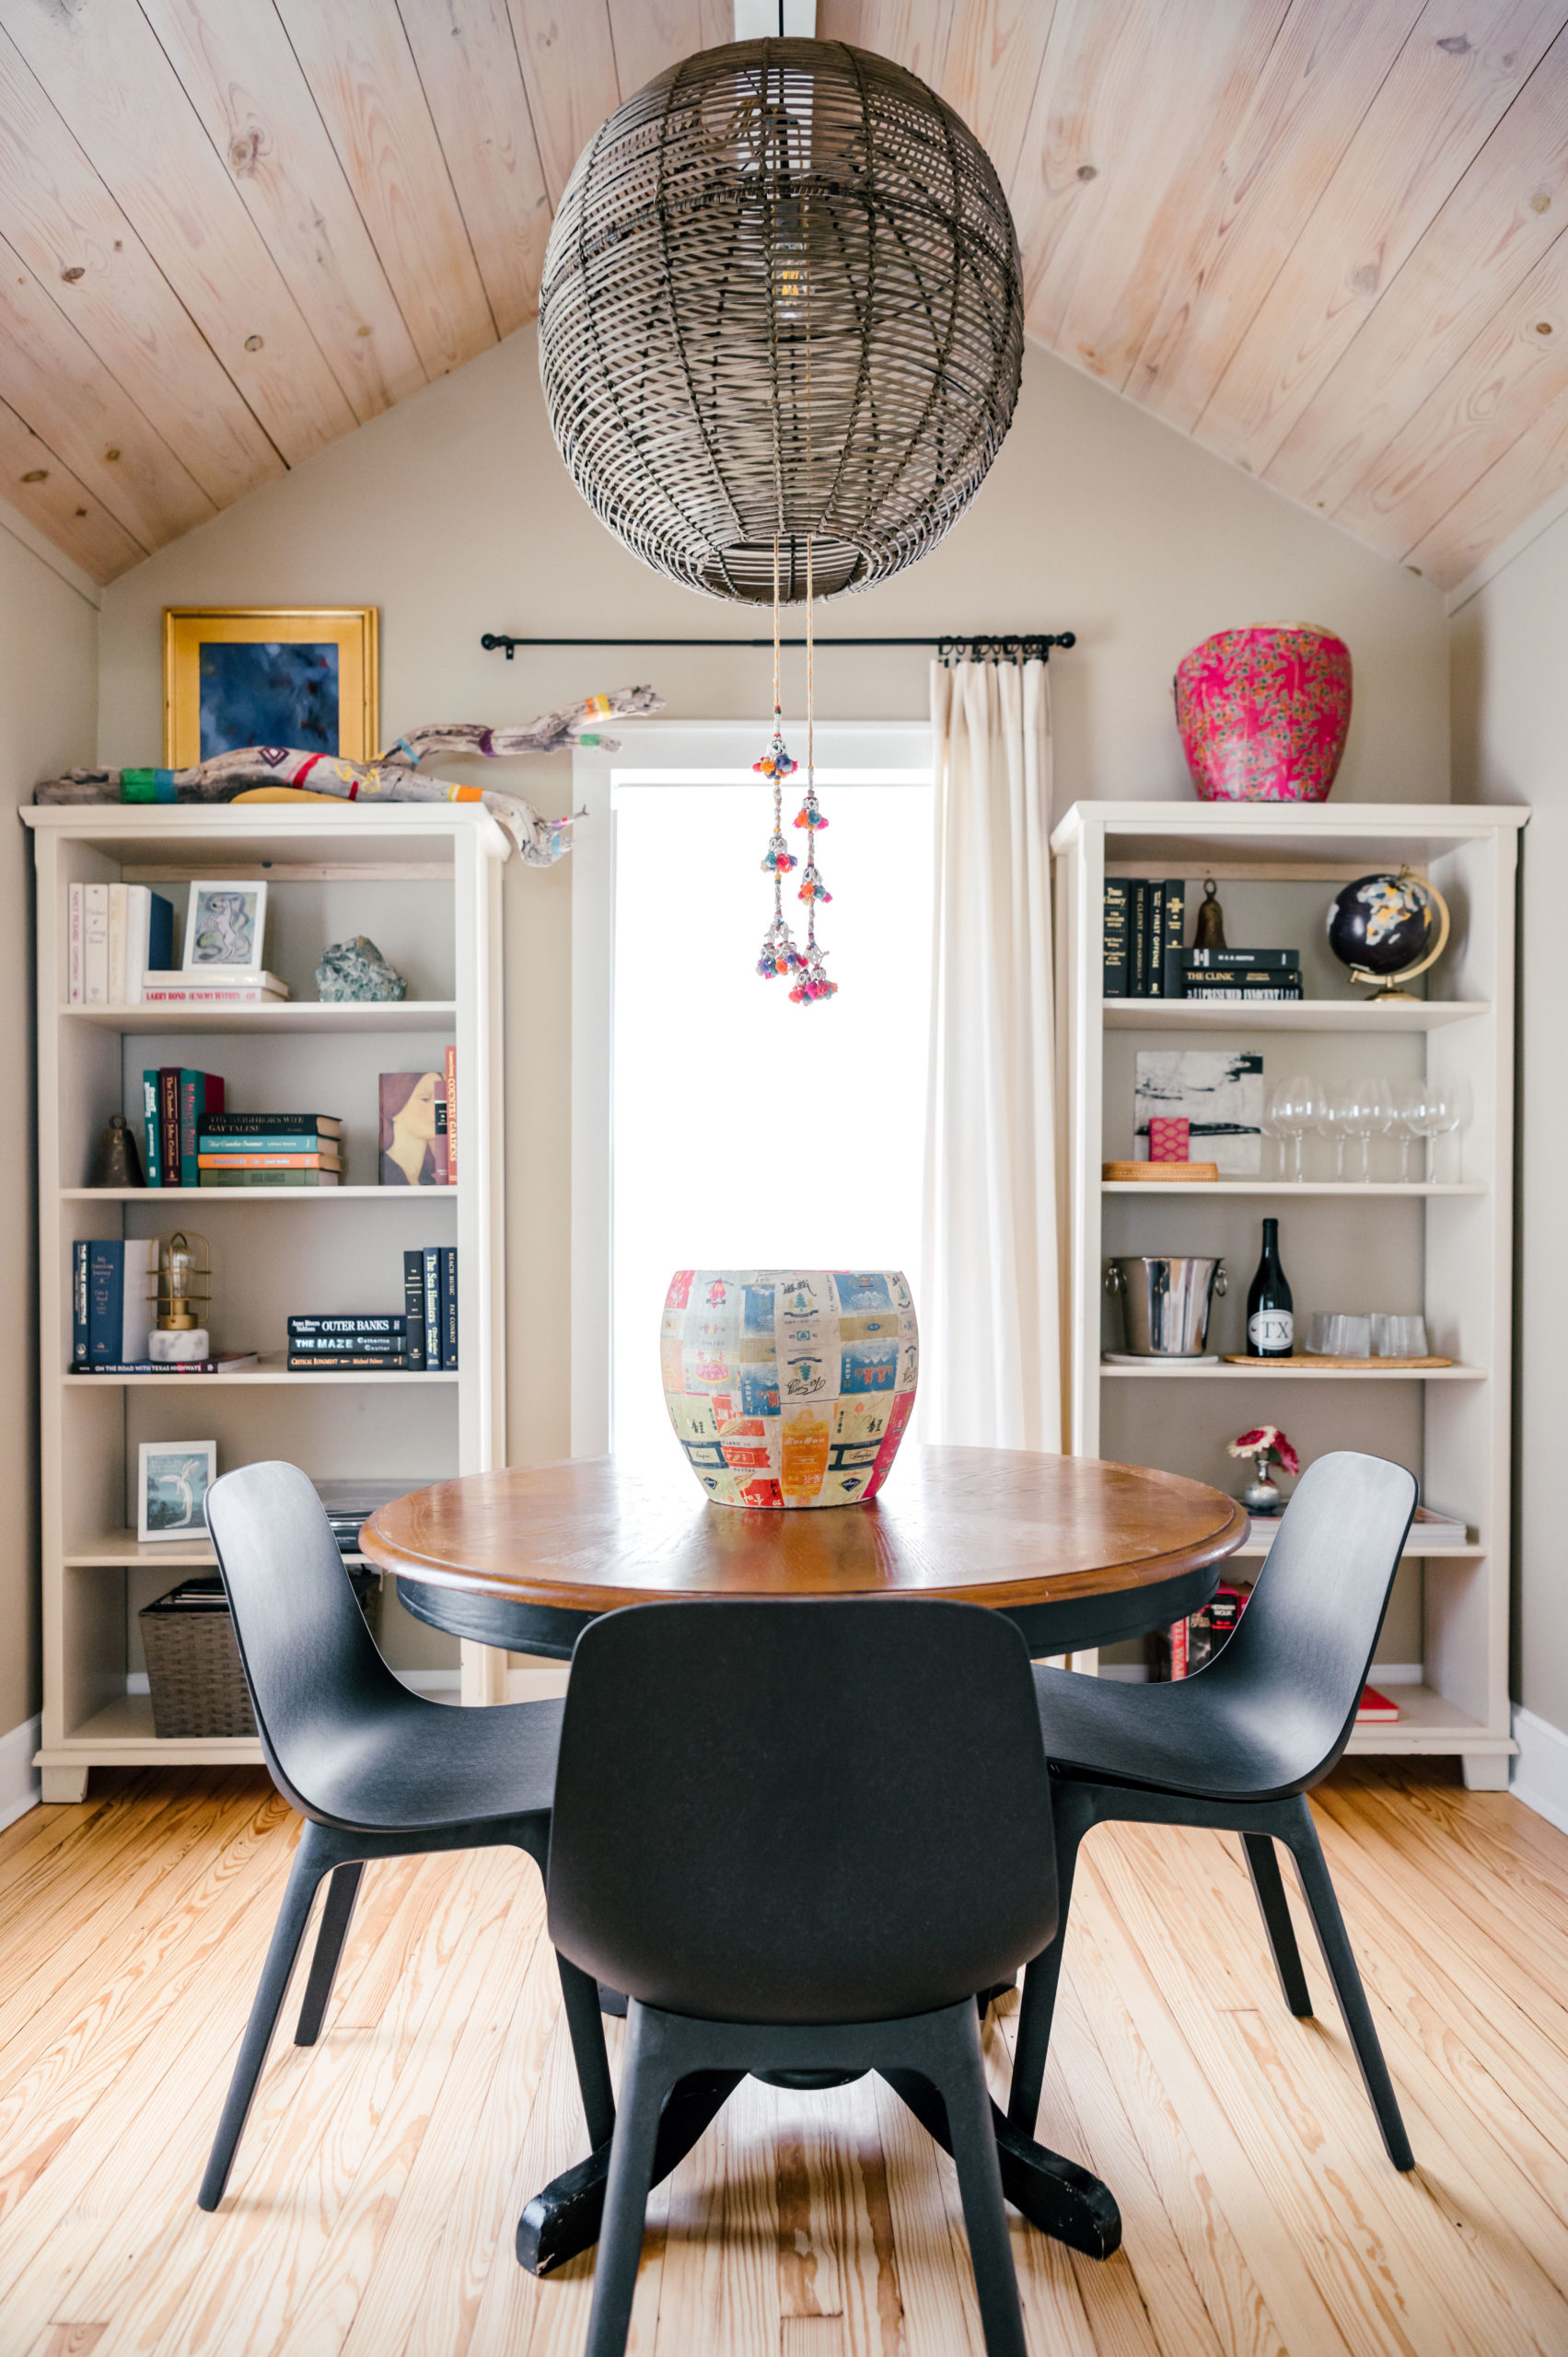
<point>350,1504</point>
<point>1143,923</point>
<point>1238,974</point>
<point>114,1303</point>
<point>1428,1529</point>
<point>212,986</point>
<point>270,1150</point>
<point>114,933</point>
<point>1187,1646</point>
<point>421,1336</point>
<point>176,1108</point>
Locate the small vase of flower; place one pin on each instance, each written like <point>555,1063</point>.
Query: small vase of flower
<point>1266,1446</point>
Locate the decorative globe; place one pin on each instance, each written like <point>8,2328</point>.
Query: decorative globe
<point>1263,713</point>
<point>789,1386</point>
<point>1382,923</point>
<point>781,300</point>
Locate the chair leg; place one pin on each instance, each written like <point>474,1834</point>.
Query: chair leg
<point>1038,2007</point>
<point>644,2085</point>
<point>1334,1941</point>
<point>312,1859</point>
<point>336,1917</point>
<point>585,2021</point>
<point>1269,1890</point>
<point>958,2074</point>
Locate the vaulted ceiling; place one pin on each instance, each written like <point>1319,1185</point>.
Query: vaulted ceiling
<point>1326,237</point>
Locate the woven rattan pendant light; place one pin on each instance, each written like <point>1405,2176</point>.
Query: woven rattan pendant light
<point>782,298</point>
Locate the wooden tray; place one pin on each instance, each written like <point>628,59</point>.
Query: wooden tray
<point>1302,1360</point>
<point>1154,1172</point>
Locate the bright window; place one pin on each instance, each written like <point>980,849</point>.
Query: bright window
<point>745,1132</point>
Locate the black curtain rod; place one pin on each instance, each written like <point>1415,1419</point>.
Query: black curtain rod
<point>1035,649</point>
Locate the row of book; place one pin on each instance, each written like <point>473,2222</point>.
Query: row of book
<point>120,952</point>
<point>1143,957</point>
<point>1187,1646</point>
<point>421,1336</point>
<point>270,1150</point>
<point>113,1307</point>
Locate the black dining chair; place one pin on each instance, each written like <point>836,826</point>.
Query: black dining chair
<point>374,1771</point>
<point>1240,1746</point>
<point>776,1826</point>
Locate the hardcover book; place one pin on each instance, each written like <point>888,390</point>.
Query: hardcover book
<point>413,1129</point>
<point>291,1125</point>
<point>1114,985</point>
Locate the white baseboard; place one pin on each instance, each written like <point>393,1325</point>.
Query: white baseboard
<point>21,1785</point>
<point>1539,1773</point>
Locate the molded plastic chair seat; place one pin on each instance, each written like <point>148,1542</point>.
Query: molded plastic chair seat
<point>1182,1735</point>
<point>377,1771</point>
<point>414,1765</point>
<point>1240,1746</point>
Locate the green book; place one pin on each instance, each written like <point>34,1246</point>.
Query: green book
<point>268,1179</point>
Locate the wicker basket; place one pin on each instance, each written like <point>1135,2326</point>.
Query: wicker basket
<point>197,1687</point>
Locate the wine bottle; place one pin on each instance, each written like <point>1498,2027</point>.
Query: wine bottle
<point>1270,1317</point>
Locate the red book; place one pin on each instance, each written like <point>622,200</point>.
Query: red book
<point>451,1117</point>
<point>1376,1710</point>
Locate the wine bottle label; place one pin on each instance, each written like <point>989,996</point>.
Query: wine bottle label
<point>1270,1330</point>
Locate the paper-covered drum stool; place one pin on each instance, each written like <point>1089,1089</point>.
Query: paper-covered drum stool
<point>789,1387</point>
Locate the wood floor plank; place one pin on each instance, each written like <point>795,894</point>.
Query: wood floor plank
<point>936,2283</point>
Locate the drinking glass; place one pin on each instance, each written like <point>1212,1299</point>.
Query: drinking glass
<point>1293,1108</point>
<point>1449,1106</point>
<point>1365,1108</point>
<point>1407,1110</point>
<point>1330,1125</point>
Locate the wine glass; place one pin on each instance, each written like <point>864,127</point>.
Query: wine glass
<point>1450,1107</point>
<point>1331,1124</point>
<point>1407,1107</point>
<point>1422,1110</point>
<point>1365,1108</point>
<point>1293,1108</point>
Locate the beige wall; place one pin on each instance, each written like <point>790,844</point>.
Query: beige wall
<point>48,722</point>
<point>1510,713</point>
<point>453,513</point>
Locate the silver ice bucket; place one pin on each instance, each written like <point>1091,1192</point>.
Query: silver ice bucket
<point>1166,1299</point>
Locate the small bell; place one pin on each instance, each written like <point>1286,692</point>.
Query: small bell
<point>1210,934</point>
<point>116,1161</point>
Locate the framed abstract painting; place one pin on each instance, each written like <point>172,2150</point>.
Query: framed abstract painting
<point>300,676</point>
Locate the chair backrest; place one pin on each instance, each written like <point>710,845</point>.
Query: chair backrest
<point>312,1667</point>
<point>801,1811</point>
<point>1293,1671</point>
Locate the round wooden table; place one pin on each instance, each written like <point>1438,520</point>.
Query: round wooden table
<point>1077,1552</point>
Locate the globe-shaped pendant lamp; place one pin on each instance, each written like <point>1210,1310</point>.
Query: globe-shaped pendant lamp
<point>782,298</point>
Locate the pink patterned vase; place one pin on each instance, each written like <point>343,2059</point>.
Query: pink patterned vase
<point>1263,713</point>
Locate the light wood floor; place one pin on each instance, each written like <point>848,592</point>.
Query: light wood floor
<point>373,2205</point>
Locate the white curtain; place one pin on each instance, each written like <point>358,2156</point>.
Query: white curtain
<point>989,1352</point>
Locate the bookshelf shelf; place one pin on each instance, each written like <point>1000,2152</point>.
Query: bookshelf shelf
<point>271,1370</point>
<point>1403,1192</point>
<point>424,882</point>
<point>220,1197</point>
<point>1443,1249</point>
<point>1264,1372</point>
<point>1287,1015</point>
<point>288,1014</point>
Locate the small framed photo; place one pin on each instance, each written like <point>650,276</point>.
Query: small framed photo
<point>224,926</point>
<point>304,677</point>
<point>173,1480</point>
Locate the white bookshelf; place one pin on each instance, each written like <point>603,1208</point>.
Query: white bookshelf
<point>424,883</point>
<point>1443,1249</point>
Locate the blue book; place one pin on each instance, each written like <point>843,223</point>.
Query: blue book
<point>433,1325</point>
<point>160,944</point>
<point>79,1304</point>
<point>105,1301</point>
<point>449,1306</point>
<point>153,1127</point>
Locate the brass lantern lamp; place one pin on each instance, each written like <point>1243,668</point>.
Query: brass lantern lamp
<point>183,1295</point>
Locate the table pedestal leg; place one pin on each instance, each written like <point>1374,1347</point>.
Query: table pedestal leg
<point>564,2218</point>
<point>1063,2200</point>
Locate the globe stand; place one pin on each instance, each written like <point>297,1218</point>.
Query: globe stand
<point>1389,992</point>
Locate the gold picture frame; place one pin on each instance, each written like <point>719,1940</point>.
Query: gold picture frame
<point>269,690</point>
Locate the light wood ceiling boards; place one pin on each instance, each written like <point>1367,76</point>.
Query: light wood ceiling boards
<point>1326,237</point>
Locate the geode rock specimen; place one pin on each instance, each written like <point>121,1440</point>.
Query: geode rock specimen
<point>357,970</point>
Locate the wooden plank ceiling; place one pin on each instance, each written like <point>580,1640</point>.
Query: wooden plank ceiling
<point>1327,238</point>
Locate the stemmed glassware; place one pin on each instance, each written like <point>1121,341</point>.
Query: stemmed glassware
<point>1408,1111</point>
<point>1293,1107</point>
<point>1330,1125</point>
<point>1448,1109</point>
<point>1363,1109</point>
